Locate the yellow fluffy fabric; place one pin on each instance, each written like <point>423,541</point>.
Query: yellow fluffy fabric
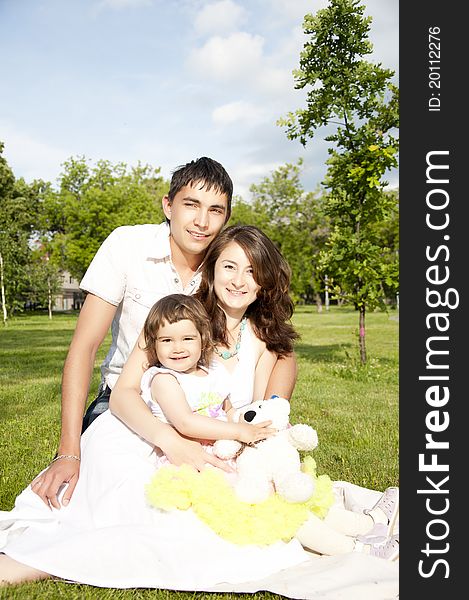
<point>214,501</point>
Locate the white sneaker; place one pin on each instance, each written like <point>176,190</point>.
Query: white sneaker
<point>385,512</point>
<point>387,549</point>
<point>378,534</point>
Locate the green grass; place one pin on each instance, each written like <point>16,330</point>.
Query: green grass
<point>353,408</point>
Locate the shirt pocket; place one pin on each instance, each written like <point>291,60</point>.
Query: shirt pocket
<point>138,303</point>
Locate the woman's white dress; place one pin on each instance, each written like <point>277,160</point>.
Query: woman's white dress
<point>109,536</point>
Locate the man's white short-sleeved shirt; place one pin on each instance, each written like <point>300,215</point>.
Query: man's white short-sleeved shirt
<point>132,270</point>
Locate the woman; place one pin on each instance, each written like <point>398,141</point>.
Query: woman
<point>126,543</point>
<point>246,280</point>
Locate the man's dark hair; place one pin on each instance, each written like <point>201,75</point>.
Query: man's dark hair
<point>206,171</point>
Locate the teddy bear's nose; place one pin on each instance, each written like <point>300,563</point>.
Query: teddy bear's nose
<point>249,415</point>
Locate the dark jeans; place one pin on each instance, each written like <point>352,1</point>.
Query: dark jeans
<point>97,407</point>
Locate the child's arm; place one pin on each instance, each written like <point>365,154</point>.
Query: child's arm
<point>167,392</point>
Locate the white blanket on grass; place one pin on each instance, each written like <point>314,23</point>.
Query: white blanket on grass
<point>347,577</point>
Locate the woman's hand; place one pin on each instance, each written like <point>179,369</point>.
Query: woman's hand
<point>183,450</point>
<point>249,433</point>
<point>48,484</point>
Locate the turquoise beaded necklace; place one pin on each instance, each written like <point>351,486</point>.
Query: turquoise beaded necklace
<point>226,354</point>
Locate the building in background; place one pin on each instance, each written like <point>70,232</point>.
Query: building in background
<point>70,297</point>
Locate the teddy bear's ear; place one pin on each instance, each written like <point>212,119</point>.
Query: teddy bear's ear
<point>249,408</point>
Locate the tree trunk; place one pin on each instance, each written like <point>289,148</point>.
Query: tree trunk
<point>4,306</point>
<point>362,335</point>
<point>49,297</point>
<point>327,293</point>
<point>318,301</point>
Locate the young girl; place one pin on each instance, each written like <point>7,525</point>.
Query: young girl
<point>178,386</point>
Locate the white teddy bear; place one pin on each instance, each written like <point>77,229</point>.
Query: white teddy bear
<point>272,464</point>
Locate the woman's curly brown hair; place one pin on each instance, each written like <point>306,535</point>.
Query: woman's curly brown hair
<point>171,309</point>
<point>271,312</point>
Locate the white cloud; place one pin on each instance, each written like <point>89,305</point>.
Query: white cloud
<point>220,17</point>
<point>288,48</point>
<point>228,58</point>
<point>31,158</point>
<point>293,10</point>
<point>275,81</point>
<point>237,112</point>
<point>238,60</point>
<point>120,4</point>
<point>250,171</point>
<point>245,174</point>
<point>241,59</point>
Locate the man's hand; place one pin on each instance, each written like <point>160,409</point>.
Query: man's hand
<point>48,484</point>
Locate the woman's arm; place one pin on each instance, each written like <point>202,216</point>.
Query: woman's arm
<point>169,395</point>
<point>262,374</point>
<point>127,404</point>
<point>282,378</point>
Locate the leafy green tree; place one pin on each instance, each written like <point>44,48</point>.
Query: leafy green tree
<point>295,220</point>
<point>7,181</point>
<point>44,231</point>
<point>244,212</point>
<point>43,279</point>
<point>18,217</point>
<point>91,201</point>
<point>358,105</point>
<point>387,231</point>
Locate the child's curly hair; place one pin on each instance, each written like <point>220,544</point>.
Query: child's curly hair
<point>171,309</point>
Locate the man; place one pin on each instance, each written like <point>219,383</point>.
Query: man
<point>135,266</point>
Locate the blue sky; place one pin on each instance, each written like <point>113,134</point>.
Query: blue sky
<point>161,82</point>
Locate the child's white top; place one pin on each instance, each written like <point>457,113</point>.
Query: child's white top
<point>204,394</point>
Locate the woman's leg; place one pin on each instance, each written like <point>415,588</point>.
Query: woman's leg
<point>335,534</point>
<point>317,535</point>
<point>348,522</point>
<point>11,572</point>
